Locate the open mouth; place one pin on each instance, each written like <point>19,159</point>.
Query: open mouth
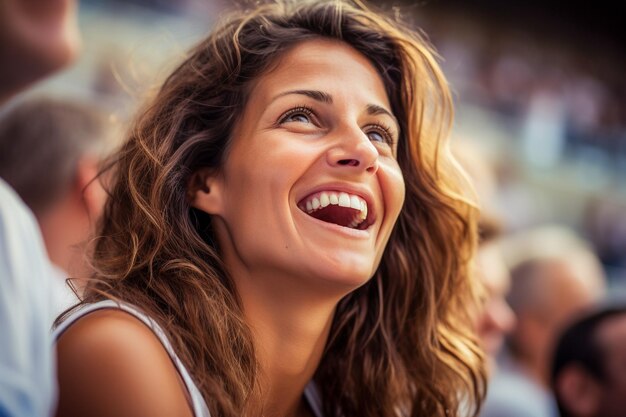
<point>341,208</point>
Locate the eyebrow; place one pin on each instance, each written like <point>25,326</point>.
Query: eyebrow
<point>317,95</point>
<point>374,110</point>
<point>314,94</point>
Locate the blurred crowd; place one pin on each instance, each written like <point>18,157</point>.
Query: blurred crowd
<point>552,114</point>
<point>542,135</point>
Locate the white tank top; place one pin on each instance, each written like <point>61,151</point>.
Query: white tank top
<point>198,404</point>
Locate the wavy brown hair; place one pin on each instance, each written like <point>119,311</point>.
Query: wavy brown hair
<point>402,343</point>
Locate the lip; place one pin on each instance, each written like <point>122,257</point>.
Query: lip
<point>362,192</point>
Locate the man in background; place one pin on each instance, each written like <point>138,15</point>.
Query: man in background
<point>37,37</point>
<point>589,367</point>
<point>50,154</point>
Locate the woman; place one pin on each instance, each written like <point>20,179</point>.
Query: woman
<point>283,236</point>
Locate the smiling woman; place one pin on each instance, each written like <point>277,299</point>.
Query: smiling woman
<point>283,236</point>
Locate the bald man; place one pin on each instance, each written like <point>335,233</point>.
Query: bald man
<point>37,37</point>
<point>554,276</point>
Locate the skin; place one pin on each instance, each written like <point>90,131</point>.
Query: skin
<point>67,225</point>
<point>111,364</point>
<point>37,37</point>
<point>289,268</point>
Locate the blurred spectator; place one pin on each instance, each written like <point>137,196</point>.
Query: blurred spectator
<point>50,152</point>
<point>544,125</point>
<point>554,276</point>
<point>36,38</point>
<point>496,318</point>
<point>589,367</point>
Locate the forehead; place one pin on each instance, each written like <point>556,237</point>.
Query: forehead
<point>325,65</point>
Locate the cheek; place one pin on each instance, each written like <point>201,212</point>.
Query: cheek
<point>392,187</point>
<point>256,187</point>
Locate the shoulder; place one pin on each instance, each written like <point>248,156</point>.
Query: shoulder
<point>111,364</point>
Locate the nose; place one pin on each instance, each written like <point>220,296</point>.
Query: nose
<point>502,316</point>
<point>353,150</point>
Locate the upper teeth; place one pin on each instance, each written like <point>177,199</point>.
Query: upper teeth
<point>341,199</point>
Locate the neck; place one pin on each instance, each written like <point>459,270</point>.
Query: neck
<point>64,228</point>
<point>290,324</point>
<point>534,368</point>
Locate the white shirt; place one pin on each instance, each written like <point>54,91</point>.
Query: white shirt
<point>512,393</point>
<point>27,360</point>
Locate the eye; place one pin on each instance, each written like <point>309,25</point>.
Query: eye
<point>300,114</point>
<point>379,133</point>
<point>376,136</point>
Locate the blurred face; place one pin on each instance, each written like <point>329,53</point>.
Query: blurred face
<point>36,38</point>
<point>566,294</point>
<point>562,290</point>
<point>311,187</point>
<point>497,318</point>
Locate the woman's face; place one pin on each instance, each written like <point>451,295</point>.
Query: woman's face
<point>311,187</point>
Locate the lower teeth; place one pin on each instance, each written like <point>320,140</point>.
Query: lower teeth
<point>355,223</point>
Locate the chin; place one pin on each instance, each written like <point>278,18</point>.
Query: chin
<point>347,276</point>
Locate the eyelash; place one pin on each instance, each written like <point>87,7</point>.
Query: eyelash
<point>383,129</point>
<point>306,110</point>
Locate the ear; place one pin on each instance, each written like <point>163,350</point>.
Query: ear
<point>89,187</point>
<point>578,391</point>
<point>205,191</point>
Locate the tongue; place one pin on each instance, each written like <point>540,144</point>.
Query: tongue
<point>342,216</point>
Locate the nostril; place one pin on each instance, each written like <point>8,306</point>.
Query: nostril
<point>349,162</point>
